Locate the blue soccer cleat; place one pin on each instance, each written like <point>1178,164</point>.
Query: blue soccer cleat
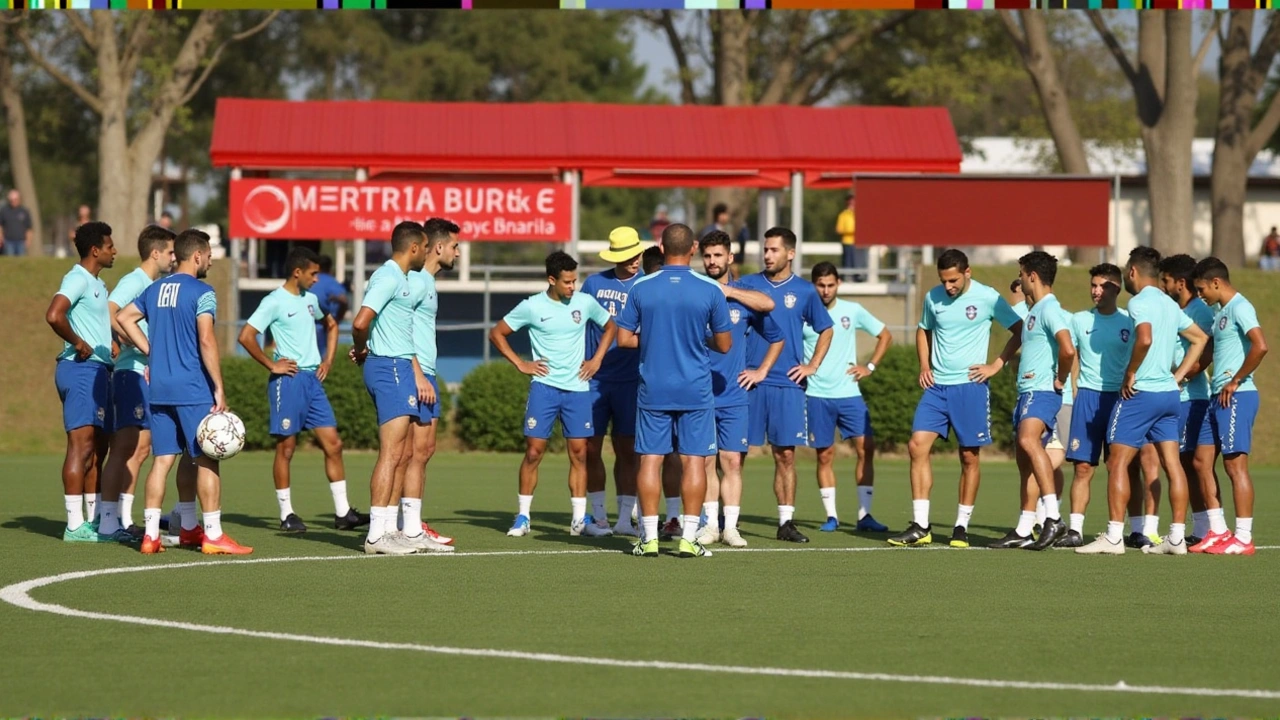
<point>520,527</point>
<point>869,524</point>
<point>831,525</point>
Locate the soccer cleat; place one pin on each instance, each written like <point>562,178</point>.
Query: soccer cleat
<point>732,538</point>
<point>576,527</point>
<point>709,535</point>
<point>1164,547</point>
<point>168,540</point>
<point>870,524</point>
<point>671,530</point>
<point>442,539</point>
<point>136,531</point>
<point>1192,541</point>
<point>1102,545</point>
<point>959,537</point>
<point>520,527</point>
<point>1071,540</point>
<point>913,536</point>
<point>831,525</point>
<point>788,532</point>
<point>191,538</point>
<point>1155,539</point>
<point>594,528</point>
<point>352,520</point>
<point>151,547</point>
<point>1231,547</point>
<point>625,530</point>
<point>122,536</point>
<point>423,544</point>
<point>1137,540</point>
<point>293,524</point>
<point>1012,541</point>
<point>224,545</point>
<point>86,533</point>
<point>1053,530</point>
<point>388,544</point>
<point>1210,541</point>
<point>692,549</point>
<point>645,548</point>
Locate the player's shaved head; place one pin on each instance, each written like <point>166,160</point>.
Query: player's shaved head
<point>189,242</point>
<point>677,240</point>
<point>153,238</point>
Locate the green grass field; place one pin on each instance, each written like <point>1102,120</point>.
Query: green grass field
<point>543,626</point>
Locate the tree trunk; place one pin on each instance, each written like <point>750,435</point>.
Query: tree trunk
<point>1167,107</point>
<point>733,88</point>
<point>1230,166</point>
<point>19,148</point>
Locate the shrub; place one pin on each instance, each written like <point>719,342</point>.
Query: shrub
<point>491,403</point>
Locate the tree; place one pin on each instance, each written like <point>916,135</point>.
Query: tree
<point>1241,131</point>
<point>134,67</point>
<point>15,116</point>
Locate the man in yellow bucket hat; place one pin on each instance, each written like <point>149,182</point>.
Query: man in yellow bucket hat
<point>613,389</point>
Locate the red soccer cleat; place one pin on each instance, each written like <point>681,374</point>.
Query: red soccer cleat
<point>151,547</point>
<point>436,536</point>
<point>1211,540</point>
<point>224,545</point>
<point>1231,547</point>
<point>192,538</point>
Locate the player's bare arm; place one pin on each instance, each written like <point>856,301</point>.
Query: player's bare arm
<point>1198,339</point>
<point>128,320</point>
<point>591,367</point>
<point>883,340</point>
<point>498,336</point>
<point>331,347</point>
<point>801,372</point>
<point>249,341</point>
<point>924,343</point>
<point>722,341</point>
<point>1066,358</point>
<point>629,338</point>
<point>426,393</point>
<point>360,334</point>
<point>983,373</point>
<point>1141,346</point>
<point>57,319</point>
<point>209,358</point>
<point>750,378</point>
<point>753,299</point>
<point>1257,351</point>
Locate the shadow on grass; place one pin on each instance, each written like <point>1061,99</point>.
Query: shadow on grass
<point>316,533</point>
<point>551,527</point>
<point>37,526</point>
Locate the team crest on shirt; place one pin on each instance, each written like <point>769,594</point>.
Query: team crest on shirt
<point>789,300</point>
<point>735,315</point>
<point>311,309</point>
<point>844,322</point>
<point>1124,336</point>
<point>413,401</point>
<point>1075,444</point>
<point>1031,322</point>
<point>138,412</point>
<point>531,423</point>
<point>102,414</point>
<point>1222,323</point>
<point>971,312</point>
<point>577,316</point>
<point>285,423</point>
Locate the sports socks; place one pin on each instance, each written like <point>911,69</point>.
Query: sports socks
<point>626,504</point>
<point>864,500</point>
<point>1151,525</point>
<point>75,511</point>
<point>650,524</point>
<point>1077,522</point>
<point>1051,509</point>
<point>963,514</point>
<point>213,524</point>
<point>411,511</point>
<point>785,513</point>
<point>126,510</point>
<point>690,532</point>
<point>380,520</point>
<point>1244,530</point>
<point>525,502</point>
<point>1115,531</point>
<point>1026,522</point>
<point>1041,513</point>
<point>1200,523</point>
<point>920,512</point>
<point>187,511</point>
<point>731,513</point>
<point>151,520</point>
<point>1135,523</point>
<point>285,502</point>
<point>579,505</point>
<point>91,503</point>
<point>673,508</point>
<point>828,500</point>
<point>1217,521</point>
<point>109,512</point>
<point>598,513</point>
<point>1177,533</point>
<point>712,511</point>
<point>339,491</point>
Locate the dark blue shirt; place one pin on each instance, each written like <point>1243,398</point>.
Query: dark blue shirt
<point>725,368</point>
<point>325,286</point>
<point>621,365</point>
<point>171,306</point>
<point>796,303</point>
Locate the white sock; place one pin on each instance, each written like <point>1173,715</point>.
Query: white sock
<point>963,515</point>
<point>1051,509</point>
<point>691,523</point>
<point>378,521</point>
<point>829,501</point>
<point>1115,531</point>
<point>393,522</point>
<point>650,524</point>
<point>109,512</point>
<point>1177,533</point>
<point>626,503</point>
<point>920,512</point>
<point>187,513</point>
<point>91,503</point>
<point>731,516</point>
<point>1244,530</point>
<point>339,491</point>
<point>598,513</point>
<point>1217,521</point>
<point>673,508</point>
<point>1135,524</point>
<point>1041,512</point>
<point>712,509</point>
<point>411,511</point>
<point>126,510</point>
<point>864,500</point>
<point>1026,522</point>
<point>785,513</point>
<point>1077,522</point>
<point>151,519</point>
<point>1151,525</point>
<point>285,502</point>
<point>213,524</point>
<point>579,506</point>
<point>1200,523</point>
<point>525,502</point>
<point>75,511</point>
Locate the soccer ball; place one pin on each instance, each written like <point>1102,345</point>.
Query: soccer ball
<point>220,435</point>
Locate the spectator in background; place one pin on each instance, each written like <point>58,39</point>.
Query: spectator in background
<point>166,220</point>
<point>333,298</point>
<point>1269,259</point>
<point>15,222</point>
<point>852,257</point>
<point>659,222</point>
<point>83,215</point>
<point>719,220</point>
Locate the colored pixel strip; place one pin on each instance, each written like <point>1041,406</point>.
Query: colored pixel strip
<point>641,4</point>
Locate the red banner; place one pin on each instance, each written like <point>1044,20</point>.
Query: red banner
<point>349,210</point>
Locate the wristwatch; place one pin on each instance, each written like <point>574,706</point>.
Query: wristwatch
<point>871,366</point>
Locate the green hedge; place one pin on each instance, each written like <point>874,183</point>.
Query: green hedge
<point>246,384</point>
<point>491,403</point>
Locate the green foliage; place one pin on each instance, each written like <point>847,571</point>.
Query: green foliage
<point>491,407</point>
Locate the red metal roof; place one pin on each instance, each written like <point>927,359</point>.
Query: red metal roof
<point>614,145</point>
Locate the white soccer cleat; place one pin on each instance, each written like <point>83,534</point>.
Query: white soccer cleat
<point>424,544</point>
<point>710,535</point>
<point>1166,548</point>
<point>627,530</point>
<point>731,537</point>
<point>388,544</point>
<point>1102,546</point>
<point>577,527</point>
<point>597,529</point>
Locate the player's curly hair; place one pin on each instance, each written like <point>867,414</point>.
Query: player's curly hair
<point>559,262</point>
<point>91,235</point>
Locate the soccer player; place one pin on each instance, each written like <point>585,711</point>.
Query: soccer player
<point>186,385</point>
<point>730,380</point>
<point>78,314</point>
<point>1198,451</point>
<point>835,400</point>
<point>777,404</point>
<point>1238,350</point>
<point>1048,352</point>
<point>1147,411</point>
<point>295,394</point>
<point>382,342</point>
<point>613,389</point>
<point>951,344</point>
<point>557,330</point>
<point>130,396</point>
<point>333,299</point>
<point>411,477</point>
<point>667,317</point>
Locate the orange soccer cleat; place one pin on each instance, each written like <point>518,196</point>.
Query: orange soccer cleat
<point>224,545</point>
<point>150,546</point>
<point>1210,541</point>
<point>192,538</point>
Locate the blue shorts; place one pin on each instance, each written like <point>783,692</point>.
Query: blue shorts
<point>427,413</point>
<point>694,432</point>
<point>731,428</point>
<point>850,415</point>
<point>130,400</point>
<point>390,384</point>
<point>1148,417</point>
<point>298,403</point>
<point>1233,425</point>
<point>173,429</point>
<point>83,388</point>
<point>1043,406</point>
<point>965,408</point>
<point>778,414</point>
<point>547,403</point>
<point>1090,418</point>
<point>1195,425</point>
<point>616,402</point>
